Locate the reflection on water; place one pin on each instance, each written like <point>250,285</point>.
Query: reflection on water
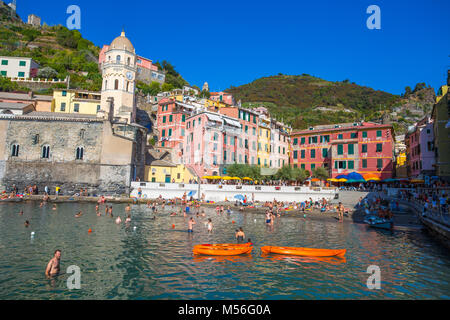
<point>151,259</point>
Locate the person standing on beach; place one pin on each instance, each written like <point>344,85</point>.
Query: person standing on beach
<point>53,265</point>
<point>341,212</point>
<point>210,226</point>
<point>191,223</point>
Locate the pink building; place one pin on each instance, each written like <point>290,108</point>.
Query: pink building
<point>222,97</point>
<point>366,148</point>
<point>248,140</point>
<point>171,125</point>
<point>420,149</point>
<point>212,141</point>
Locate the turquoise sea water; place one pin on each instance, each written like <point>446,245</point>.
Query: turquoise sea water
<point>155,261</point>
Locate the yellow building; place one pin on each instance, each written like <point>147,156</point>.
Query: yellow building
<point>264,142</point>
<point>214,105</point>
<point>401,169</point>
<point>442,92</point>
<point>167,172</point>
<point>76,101</point>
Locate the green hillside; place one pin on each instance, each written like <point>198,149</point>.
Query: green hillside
<point>303,101</point>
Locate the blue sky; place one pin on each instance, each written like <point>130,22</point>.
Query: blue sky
<point>235,42</point>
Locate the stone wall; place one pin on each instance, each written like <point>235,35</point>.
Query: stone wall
<point>108,160</point>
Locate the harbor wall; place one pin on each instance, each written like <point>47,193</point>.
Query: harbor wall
<point>214,192</point>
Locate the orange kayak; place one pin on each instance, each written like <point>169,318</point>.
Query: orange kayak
<point>306,252</point>
<point>222,249</point>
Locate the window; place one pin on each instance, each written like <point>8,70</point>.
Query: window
<point>182,132</point>
<point>313,166</point>
<point>35,139</point>
<point>3,73</point>
<point>163,133</point>
<point>379,163</point>
<point>351,149</point>
<point>295,154</point>
<point>379,147</point>
<point>76,107</point>
<point>340,136</point>
<point>118,58</point>
<point>246,129</point>
<point>164,119</point>
<point>22,63</point>
<point>364,148</point>
<point>302,154</point>
<point>79,153</point>
<point>313,153</point>
<point>116,84</point>
<point>378,133</point>
<point>351,164</point>
<point>364,134</point>
<point>324,153</point>
<point>302,166</point>
<point>45,152</point>
<point>170,132</point>
<point>302,140</point>
<point>63,106</point>
<point>82,132</point>
<point>216,137</point>
<point>314,139</point>
<point>98,108</point>
<point>15,150</point>
<point>364,163</point>
<point>4,62</point>
<point>254,131</point>
<point>354,135</point>
<point>183,118</point>
<point>21,74</point>
<point>340,149</point>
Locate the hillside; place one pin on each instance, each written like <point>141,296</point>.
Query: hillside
<point>304,101</point>
<point>61,52</point>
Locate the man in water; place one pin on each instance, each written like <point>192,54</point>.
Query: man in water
<point>53,264</point>
<point>240,235</point>
<point>341,212</point>
<point>27,224</point>
<point>191,223</point>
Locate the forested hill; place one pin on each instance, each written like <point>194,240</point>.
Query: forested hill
<point>305,100</point>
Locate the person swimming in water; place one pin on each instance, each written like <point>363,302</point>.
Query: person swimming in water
<point>53,266</point>
<point>128,219</point>
<point>27,224</point>
<point>21,213</point>
<point>118,220</point>
<point>79,214</point>
<point>191,223</point>
<point>128,208</point>
<point>210,226</point>
<point>240,235</point>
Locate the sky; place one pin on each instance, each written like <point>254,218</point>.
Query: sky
<point>233,42</point>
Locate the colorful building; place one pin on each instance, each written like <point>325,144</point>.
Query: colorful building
<point>264,137</point>
<point>76,101</point>
<point>41,103</point>
<point>212,142</point>
<point>440,116</point>
<point>249,137</point>
<point>343,148</point>
<point>420,149</point>
<point>279,144</point>
<point>224,97</point>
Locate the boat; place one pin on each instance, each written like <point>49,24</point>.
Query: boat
<point>224,249</point>
<point>381,223</point>
<point>306,252</point>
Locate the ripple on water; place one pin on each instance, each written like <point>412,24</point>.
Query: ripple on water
<point>155,261</point>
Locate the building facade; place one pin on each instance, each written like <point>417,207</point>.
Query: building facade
<point>18,67</point>
<point>420,147</point>
<point>343,148</point>
<point>76,101</point>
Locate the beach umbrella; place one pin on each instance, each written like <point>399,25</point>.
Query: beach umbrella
<point>191,193</point>
<point>342,176</point>
<point>371,176</point>
<point>227,178</point>
<point>235,178</point>
<point>355,176</point>
<point>239,197</point>
<point>332,180</point>
<point>247,178</point>
<point>315,180</point>
<point>206,177</point>
<point>216,177</point>
<point>341,180</point>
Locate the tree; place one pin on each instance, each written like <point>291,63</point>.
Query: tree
<point>47,72</point>
<point>320,173</point>
<point>167,87</point>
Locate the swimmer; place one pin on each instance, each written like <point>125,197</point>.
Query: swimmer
<point>54,207</point>
<point>240,235</point>
<point>203,213</point>
<point>210,226</point>
<point>228,209</point>
<point>106,210</point>
<point>118,220</point>
<point>128,219</point>
<point>21,213</point>
<point>27,224</point>
<point>249,241</point>
<point>41,205</point>
<point>110,211</point>
<point>268,217</point>
<point>96,208</point>
<point>79,214</point>
<point>53,265</point>
<point>127,208</point>
<point>173,214</point>
<point>191,223</point>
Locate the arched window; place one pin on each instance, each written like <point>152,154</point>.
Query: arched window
<point>46,152</point>
<point>80,153</point>
<point>128,61</point>
<point>82,132</point>
<point>15,150</point>
<point>128,85</point>
<point>118,59</point>
<point>106,84</point>
<point>116,84</point>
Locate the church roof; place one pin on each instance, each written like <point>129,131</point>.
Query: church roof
<point>122,42</point>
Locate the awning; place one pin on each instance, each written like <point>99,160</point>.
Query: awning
<point>231,122</point>
<point>213,117</point>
